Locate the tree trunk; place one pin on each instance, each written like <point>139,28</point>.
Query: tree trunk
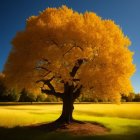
<point>67,110</point>
<point>68,98</point>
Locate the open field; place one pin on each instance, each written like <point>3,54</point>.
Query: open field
<point>123,120</point>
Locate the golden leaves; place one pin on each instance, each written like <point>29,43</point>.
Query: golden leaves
<point>64,36</point>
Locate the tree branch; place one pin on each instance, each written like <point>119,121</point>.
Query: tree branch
<point>50,92</point>
<point>54,42</point>
<point>74,46</point>
<point>46,60</point>
<point>76,80</point>
<point>68,51</point>
<point>46,74</point>
<point>76,67</point>
<point>77,92</point>
<point>47,82</point>
<point>43,68</point>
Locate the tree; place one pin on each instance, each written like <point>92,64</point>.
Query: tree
<point>67,53</point>
<point>26,96</point>
<point>128,98</point>
<point>137,97</point>
<point>2,87</point>
<point>41,98</point>
<point>5,93</point>
<point>11,95</point>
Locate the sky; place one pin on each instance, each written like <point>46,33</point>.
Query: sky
<point>126,13</point>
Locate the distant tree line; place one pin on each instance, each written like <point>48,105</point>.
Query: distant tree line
<point>12,95</point>
<point>132,97</point>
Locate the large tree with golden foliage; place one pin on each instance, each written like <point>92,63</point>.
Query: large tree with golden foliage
<point>65,53</point>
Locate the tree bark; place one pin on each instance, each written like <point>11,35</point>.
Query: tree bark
<point>67,109</point>
<point>71,93</point>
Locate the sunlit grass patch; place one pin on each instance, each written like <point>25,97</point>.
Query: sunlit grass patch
<point>11,116</point>
<point>124,118</point>
<point>130,111</point>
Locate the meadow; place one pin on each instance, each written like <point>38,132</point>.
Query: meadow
<point>123,120</point>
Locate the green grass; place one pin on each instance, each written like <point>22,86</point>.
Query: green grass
<point>123,120</point>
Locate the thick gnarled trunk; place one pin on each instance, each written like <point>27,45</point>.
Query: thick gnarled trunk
<point>71,92</point>
<point>69,96</point>
<point>67,109</point>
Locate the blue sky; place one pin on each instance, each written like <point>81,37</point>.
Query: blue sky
<point>126,13</point>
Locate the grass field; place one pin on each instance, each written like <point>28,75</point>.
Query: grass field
<point>123,120</point>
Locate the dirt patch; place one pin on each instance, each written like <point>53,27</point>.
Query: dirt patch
<point>76,128</point>
<point>85,129</point>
